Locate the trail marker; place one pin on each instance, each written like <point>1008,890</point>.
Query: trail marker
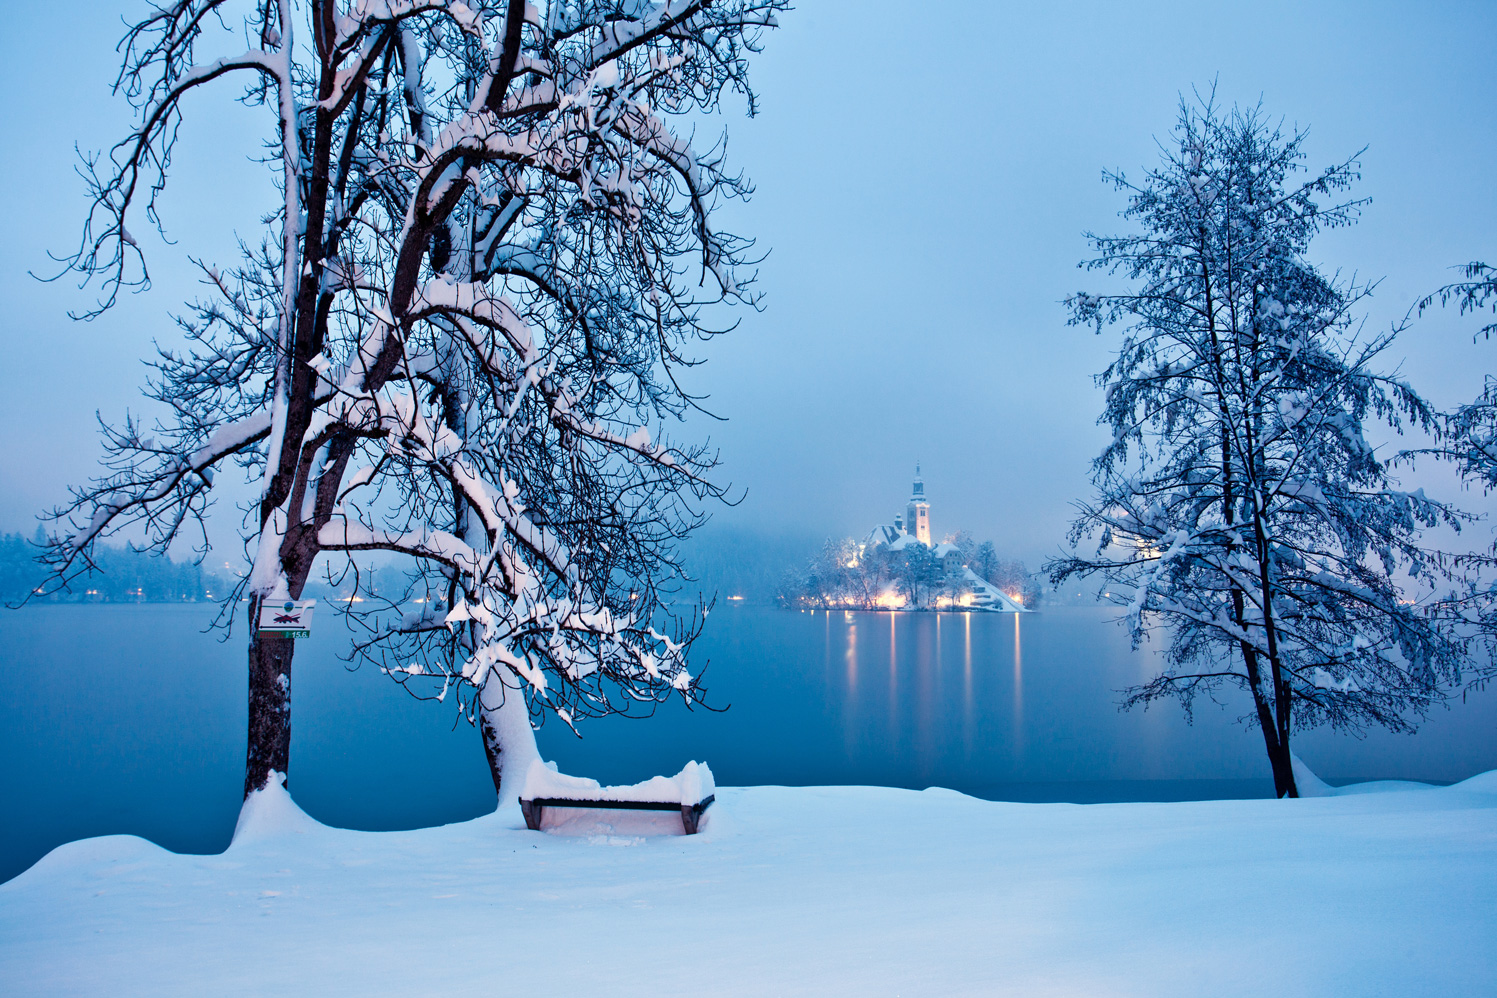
<point>287,618</point>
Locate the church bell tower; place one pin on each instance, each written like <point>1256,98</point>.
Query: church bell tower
<point>917,513</point>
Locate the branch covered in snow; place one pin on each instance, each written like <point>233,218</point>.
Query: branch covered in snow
<point>1239,505</point>
<point>460,339</point>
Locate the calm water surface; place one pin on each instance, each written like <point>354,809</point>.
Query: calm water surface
<point>129,719</point>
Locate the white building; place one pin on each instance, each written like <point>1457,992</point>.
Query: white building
<point>914,528</point>
<point>917,513</point>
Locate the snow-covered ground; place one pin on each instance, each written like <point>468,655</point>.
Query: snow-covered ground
<point>814,891</point>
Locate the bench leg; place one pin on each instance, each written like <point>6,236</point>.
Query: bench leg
<point>691,814</point>
<point>532,812</point>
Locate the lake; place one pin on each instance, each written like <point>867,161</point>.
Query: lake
<point>129,719</point>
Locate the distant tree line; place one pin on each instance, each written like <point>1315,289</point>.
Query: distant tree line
<point>122,576</point>
<point>846,573</point>
<point>731,564</point>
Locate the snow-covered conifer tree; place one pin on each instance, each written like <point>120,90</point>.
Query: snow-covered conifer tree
<point>457,341</point>
<point>1239,504</point>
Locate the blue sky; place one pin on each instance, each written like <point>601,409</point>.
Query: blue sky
<point>925,174</point>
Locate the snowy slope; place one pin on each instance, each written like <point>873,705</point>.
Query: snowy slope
<point>795,891</point>
<point>988,596</point>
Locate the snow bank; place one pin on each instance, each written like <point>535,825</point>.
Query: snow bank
<point>1310,785</point>
<point>800,891</point>
<point>270,812</point>
<point>690,786</point>
<point>1306,782</point>
<point>1484,783</point>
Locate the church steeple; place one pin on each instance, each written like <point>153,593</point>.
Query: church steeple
<point>917,513</point>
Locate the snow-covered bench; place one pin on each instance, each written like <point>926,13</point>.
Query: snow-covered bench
<point>690,791</point>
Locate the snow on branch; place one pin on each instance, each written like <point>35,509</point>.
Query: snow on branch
<point>1240,508</point>
<point>456,341</point>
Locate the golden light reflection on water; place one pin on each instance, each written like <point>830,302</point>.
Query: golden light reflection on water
<point>967,683</point>
<point>1018,689</point>
<point>852,656</point>
<point>826,637</point>
<point>916,708</point>
<point>893,678</point>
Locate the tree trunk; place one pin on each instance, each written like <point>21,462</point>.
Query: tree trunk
<point>1278,750</point>
<point>1277,747</point>
<point>1283,768</point>
<point>508,739</point>
<point>269,741</point>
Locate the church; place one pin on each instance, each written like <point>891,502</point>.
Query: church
<point>914,528</point>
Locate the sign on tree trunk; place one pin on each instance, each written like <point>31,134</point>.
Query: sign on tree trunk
<point>287,618</point>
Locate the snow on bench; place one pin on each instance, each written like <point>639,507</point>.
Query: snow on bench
<point>690,791</point>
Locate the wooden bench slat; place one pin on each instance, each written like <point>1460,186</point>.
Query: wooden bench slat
<point>628,805</point>
<point>690,813</point>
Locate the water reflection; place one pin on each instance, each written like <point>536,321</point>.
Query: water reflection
<point>893,676</point>
<point>1018,715</point>
<point>1036,701</point>
<point>165,758</point>
<point>851,655</point>
<point>852,651</point>
<point>967,682</point>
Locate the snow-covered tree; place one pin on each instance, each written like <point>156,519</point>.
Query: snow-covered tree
<point>842,574</point>
<point>1475,292</point>
<point>985,562</point>
<point>1469,436</point>
<point>1239,505</point>
<point>920,575</point>
<point>458,339</point>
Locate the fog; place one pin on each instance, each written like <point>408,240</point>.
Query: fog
<point>925,175</point>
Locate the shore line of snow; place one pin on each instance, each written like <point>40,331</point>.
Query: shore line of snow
<point>1372,889</point>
